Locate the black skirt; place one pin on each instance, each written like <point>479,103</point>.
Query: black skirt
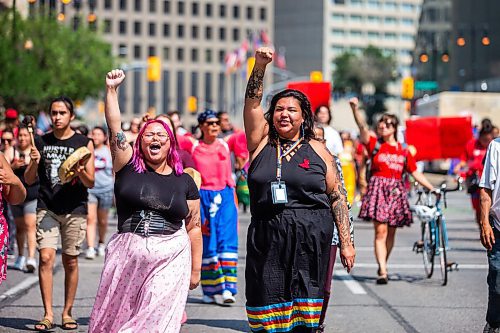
<point>286,266</point>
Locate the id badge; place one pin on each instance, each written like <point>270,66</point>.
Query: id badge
<point>278,190</point>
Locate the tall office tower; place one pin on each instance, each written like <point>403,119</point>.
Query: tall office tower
<point>314,33</point>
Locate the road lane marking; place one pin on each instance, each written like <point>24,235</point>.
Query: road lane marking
<point>25,284</point>
<point>420,266</point>
<point>351,284</point>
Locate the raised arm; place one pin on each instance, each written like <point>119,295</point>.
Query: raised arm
<point>253,115</point>
<point>121,151</point>
<point>360,121</point>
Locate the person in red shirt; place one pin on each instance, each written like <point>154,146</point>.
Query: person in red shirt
<point>386,199</point>
<point>472,158</point>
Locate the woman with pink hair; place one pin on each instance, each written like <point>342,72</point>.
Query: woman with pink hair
<point>152,261</point>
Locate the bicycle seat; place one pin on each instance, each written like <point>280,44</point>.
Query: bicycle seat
<point>424,213</point>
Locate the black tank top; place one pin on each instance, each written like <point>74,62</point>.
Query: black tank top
<point>150,191</point>
<point>304,176</point>
<point>69,198</point>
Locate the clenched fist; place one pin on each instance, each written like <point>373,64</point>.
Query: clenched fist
<point>263,56</point>
<point>114,78</point>
<point>354,103</point>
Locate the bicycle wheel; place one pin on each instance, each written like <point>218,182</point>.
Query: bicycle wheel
<point>442,253</point>
<point>428,249</point>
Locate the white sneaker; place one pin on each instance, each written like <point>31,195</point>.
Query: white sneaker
<point>31,265</point>
<point>90,253</point>
<point>208,299</point>
<point>227,297</point>
<point>101,250</point>
<point>20,263</point>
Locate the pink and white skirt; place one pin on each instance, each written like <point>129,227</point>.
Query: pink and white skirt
<point>144,284</point>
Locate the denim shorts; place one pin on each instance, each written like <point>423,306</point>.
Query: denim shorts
<point>28,207</point>
<point>104,200</point>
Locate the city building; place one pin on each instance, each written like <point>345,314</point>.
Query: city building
<point>314,33</point>
<point>191,38</point>
<point>431,59</point>
<point>475,52</point>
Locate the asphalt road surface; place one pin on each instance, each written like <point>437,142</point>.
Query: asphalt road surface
<point>409,303</point>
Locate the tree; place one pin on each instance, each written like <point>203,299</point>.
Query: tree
<point>371,68</point>
<point>60,61</point>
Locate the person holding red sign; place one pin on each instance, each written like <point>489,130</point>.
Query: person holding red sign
<point>386,202</point>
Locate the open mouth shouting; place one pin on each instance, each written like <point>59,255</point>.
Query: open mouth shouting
<point>154,148</point>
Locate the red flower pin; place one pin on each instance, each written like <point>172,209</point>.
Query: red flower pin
<point>305,164</point>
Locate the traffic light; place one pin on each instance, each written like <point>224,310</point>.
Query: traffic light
<point>192,104</point>
<point>316,76</point>
<point>408,88</point>
<point>154,69</point>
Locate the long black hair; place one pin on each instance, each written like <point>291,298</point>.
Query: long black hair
<point>305,106</point>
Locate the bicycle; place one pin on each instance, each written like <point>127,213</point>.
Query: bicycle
<point>434,240</point>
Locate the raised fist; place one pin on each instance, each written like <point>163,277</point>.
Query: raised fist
<point>354,103</point>
<point>114,78</point>
<point>263,56</point>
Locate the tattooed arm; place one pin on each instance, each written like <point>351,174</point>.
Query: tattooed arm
<point>121,151</point>
<point>193,227</point>
<point>253,114</point>
<point>364,133</point>
<point>339,205</point>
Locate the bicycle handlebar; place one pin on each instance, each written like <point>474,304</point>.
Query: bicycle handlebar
<point>441,191</point>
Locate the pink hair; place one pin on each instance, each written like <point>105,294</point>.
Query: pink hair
<point>173,159</point>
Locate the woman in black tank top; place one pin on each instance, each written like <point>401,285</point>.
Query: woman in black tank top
<point>295,196</point>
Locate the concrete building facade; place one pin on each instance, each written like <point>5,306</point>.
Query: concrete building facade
<point>336,26</point>
<point>191,37</point>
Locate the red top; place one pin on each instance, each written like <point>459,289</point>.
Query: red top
<point>185,143</point>
<point>237,143</point>
<point>389,162</point>
<point>213,161</point>
<point>474,154</point>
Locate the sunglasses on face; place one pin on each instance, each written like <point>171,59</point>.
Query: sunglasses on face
<point>9,141</point>
<point>210,123</point>
<point>387,123</point>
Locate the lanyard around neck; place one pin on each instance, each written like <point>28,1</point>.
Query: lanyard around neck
<point>280,155</point>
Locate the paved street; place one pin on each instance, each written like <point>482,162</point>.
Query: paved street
<point>409,303</point>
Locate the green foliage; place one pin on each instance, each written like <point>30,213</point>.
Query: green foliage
<point>371,67</point>
<point>60,62</point>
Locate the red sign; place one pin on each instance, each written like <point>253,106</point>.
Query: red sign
<point>438,137</point>
<point>318,93</point>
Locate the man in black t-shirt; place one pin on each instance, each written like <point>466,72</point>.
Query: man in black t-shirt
<point>61,208</point>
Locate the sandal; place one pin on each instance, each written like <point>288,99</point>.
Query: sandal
<point>382,279</point>
<point>46,323</point>
<point>69,323</point>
